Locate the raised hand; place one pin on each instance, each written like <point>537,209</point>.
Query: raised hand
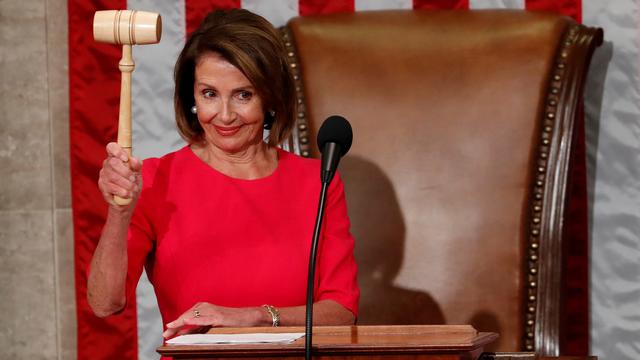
<point>120,175</point>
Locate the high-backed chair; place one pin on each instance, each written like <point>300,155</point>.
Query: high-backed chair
<point>458,179</point>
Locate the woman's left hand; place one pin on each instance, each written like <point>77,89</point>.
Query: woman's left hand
<point>205,315</point>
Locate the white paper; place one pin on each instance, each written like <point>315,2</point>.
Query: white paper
<point>207,339</point>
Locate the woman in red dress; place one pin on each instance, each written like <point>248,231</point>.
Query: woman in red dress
<point>223,226</point>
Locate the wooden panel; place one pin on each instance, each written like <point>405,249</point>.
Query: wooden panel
<point>351,342</point>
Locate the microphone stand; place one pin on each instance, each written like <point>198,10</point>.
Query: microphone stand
<point>312,266</point>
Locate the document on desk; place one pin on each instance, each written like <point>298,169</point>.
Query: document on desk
<point>255,338</point>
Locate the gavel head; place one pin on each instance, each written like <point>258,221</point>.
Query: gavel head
<point>127,27</point>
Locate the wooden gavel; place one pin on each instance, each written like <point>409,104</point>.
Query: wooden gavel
<point>126,28</point>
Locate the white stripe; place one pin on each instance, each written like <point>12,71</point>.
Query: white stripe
<point>363,5</point>
<point>154,134</point>
<point>613,145</point>
<point>154,129</point>
<point>496,4</point>
<point>278,12</point>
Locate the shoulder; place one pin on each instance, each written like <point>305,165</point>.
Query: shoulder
<point>298,169</point>
<point>297,163</point>
<point>152,167</point>
<point>302,168</point>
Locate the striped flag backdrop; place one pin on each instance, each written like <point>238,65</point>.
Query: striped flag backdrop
<point>613,135</point>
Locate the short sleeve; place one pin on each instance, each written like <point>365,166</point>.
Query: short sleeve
<point>337,270</point>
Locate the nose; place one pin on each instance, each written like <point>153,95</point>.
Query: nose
<point>227,115</point>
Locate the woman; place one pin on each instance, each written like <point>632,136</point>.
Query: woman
<point>223,226</point>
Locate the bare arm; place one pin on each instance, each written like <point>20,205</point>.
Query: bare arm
<point>107,277</point>
<point>325,312</point>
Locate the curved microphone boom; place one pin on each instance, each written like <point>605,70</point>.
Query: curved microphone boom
<point>334,141</point>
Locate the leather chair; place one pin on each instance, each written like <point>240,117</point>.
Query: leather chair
<point>458,182</point>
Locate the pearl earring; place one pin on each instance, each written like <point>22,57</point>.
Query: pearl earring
<point>272,113</point>
<point>194,109</point>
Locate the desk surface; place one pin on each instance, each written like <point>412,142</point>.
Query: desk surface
<point>350,341</point>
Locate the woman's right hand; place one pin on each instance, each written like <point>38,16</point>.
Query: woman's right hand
<point>120,175</point>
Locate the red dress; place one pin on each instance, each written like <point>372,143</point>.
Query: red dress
<point>204,236</point>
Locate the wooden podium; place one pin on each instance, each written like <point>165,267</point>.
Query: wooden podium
<point>432,342</point>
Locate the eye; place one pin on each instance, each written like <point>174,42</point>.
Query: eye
<point>208,93</point>
<point>245,95</point>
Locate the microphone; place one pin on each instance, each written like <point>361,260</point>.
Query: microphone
<point>334,140</point>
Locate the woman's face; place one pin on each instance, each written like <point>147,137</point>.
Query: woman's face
<point>229,108</point>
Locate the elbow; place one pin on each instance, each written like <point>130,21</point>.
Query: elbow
<point>103,308</point>
<point>104,312</point>
<point>349,319</point>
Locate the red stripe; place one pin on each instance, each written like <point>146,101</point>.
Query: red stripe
<point>319,7</point>
<point>440,4</point>
<point>196,10</point>
<point>94,87</point>
<point>572,8</point>
<point>575,277</point>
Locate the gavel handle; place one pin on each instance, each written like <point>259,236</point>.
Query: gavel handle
<point>126,66</point>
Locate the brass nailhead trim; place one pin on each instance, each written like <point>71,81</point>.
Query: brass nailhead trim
<point>535,218</point>
<point>301,120</point>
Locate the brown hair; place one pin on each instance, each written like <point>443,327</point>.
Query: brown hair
<point>251,44</point>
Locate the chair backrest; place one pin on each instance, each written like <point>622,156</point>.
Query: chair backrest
<point>457,179</point>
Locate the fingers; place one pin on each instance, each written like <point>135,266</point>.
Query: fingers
<point>199,317</point>
<point>172,329</point>
<point>120,175</point>
<point>209,315</point>
<point>135,164</point>
<point>115,150</point>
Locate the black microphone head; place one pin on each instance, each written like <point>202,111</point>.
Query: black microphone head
<point>338,130</point>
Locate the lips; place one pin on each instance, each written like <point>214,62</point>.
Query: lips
<point>226,130</point>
